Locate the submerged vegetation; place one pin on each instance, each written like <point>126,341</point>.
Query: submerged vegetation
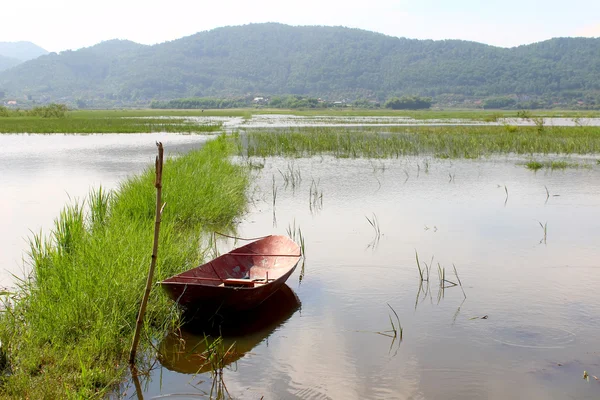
<point>66,331</point>
<point>442,141</point>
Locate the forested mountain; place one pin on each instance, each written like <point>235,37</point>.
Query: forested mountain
<point>7,62</point>
<point>328,62</point>
<point>22,51</point>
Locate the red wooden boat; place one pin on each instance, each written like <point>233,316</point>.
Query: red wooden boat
<point>185,350</point>
<point>236,281</point>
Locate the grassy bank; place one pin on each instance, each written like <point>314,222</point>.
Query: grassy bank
<point>441,141</point>
<point>67,331</point>
<point>101,123</point>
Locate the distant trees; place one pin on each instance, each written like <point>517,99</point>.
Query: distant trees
<point>408,103</point>
<point>510,103</point>
<point>296,102</point>
<point>200,103</point>
<point>50,111</point>
<point>291,101</point>
<point>499,102</point>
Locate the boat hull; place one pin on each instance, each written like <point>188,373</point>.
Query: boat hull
<point>257,271</point>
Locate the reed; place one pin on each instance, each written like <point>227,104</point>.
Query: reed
<point>67,331</point>
<point>216,356</point>
<point>374,222</point>
<point>459,281</point>
<point>444,282</point>
<point>291,176</point>
<point>315,197</point>
<point>544,227</point>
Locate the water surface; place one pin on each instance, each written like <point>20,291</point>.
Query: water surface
<point>526,329</point>
<point>319,339</point>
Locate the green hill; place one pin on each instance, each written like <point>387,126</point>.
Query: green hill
<point>329,62</point>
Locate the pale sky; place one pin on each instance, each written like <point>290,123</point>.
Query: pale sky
<point>71,24</point>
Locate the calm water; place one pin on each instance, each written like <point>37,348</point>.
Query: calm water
<point>540,298</point>
<point>319,339</point>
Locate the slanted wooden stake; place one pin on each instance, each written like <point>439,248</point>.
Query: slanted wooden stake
<point>159,210</point>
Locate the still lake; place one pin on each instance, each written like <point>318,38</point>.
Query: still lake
<point>527,328</point>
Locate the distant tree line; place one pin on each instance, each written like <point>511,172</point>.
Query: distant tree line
<point>200,103</point>
<point>408,103</point>
<point>52,110</point>
<point>292,102</point>
<point>588,102</point>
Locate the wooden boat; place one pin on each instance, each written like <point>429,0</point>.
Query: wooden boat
<point>236,281</point>
<point>185,350</point>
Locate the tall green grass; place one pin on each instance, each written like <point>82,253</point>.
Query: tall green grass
<point>442,141</point>
<point>67,331</point>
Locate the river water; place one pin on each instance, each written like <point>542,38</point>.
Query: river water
<point>527,327</point>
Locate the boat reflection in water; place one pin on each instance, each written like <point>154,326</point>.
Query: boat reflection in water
<point>192,350</point>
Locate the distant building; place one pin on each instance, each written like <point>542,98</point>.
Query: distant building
<point>11,103</point>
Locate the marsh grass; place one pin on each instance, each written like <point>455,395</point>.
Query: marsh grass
<point>535,165</point>
<point>444,282</point>
<point>102,124</point>
<point>374,222</point>
<point>440,141</point>
<point>295,233</point>
<point>68,329</point>
<point>217,356</point>
<point>292,176</point>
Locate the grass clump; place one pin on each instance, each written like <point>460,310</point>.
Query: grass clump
<point>553,165</point>
<point>66,332</point>
<point>534,165</point>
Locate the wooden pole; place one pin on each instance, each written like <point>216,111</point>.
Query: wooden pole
<point>159,210</point>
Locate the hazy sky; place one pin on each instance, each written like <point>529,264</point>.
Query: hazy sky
<point>70,24</point>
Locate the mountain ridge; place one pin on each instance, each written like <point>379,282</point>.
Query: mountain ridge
<point>335,62</point>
